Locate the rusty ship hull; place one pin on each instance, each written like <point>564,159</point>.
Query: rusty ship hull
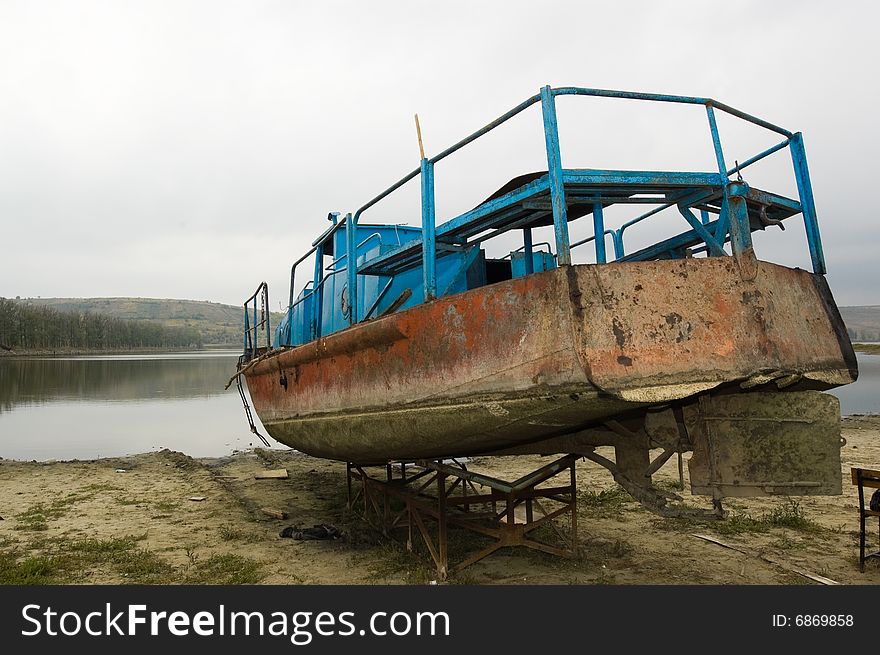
<point>530,359</point>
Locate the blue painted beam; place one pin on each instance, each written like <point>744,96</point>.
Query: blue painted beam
<point>351,267</point>
<point>758,157</point>
<point>527,250</point>
<point>454,225</point>
<point>677,242</point>
<point>716,143</point>
<point>617,239</point>
<point>644,179</point>
<point>317,293</point>
<point>464,224</point>
<point>599,232</point>
<point>554,169</point>
<point>738,213</point>
<point>715,248</point>
<point>660,97</point>
<point>805,192</point>
<point>760,197</point>
<point>429,250</point>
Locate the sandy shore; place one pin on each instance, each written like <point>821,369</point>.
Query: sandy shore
<point>131,519</point>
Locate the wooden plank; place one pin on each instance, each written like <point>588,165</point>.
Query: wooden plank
<point>274,474</point>
<point>771,559</point>
<point>274,513</point>
<point>866,473</point>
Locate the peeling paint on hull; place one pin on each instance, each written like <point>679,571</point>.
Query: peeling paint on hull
<point>547,354</point>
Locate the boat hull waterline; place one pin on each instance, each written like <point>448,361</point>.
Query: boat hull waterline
<point>549,354</point>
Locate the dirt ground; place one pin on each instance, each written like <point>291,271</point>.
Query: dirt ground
<point>132,519</point>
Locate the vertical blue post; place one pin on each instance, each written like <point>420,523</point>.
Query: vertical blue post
<point>317,293</point>
<point>554,168</point>
<point>268,316</point>
<point>351,267</point>
<point>704,216</point>
<point>254,343</point>
<point>617,240</point>
<point>246,331</point>
<point>808,206</point>
<point>599,232</point>
<point>716,142</point>
<point>737,217</point>
<point>429,246</point>
<point>527,250</point>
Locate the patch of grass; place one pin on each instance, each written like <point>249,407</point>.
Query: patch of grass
<point>228,533</point>
<point>129,501</point>
<point>102,486</point>
<point>791,515</point>
<point>785,542</point>
<point>391,560</point>
<point>31,570</point>
<point>145,566</point>
<point>226,569</point>
<point>71,561</point>
<point>165,506</point>
<point>740,523</point>
<point>605,504</point>
<point>870,348</point>
<point>123,555</point>
<point>33,519</point>
<point>36,517</point>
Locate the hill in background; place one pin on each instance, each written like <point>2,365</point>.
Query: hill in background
<point>221,324</point>
<point>862,322</point>
<point>218,324</point>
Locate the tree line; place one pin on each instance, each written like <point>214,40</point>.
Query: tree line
<point>864,334</point>
<point>24,326</point>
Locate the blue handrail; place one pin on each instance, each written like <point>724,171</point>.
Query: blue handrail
<point>251,330</point>
<point>547,97</point>
<point>719,188</point>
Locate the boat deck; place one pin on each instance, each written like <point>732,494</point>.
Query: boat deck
<point>529,205</point>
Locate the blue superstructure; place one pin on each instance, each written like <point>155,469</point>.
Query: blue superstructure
<point>400,266</point>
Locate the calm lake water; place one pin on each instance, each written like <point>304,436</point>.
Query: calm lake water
<point>104,406</point>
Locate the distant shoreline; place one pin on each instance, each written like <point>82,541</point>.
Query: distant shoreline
<point>867,348</point>
<point>72,352</point>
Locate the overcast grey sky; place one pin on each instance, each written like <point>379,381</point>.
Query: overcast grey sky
<point>189,149</point>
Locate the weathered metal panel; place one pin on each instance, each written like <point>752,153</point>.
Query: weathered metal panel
<point>664,330</point>
<point>758,444</point>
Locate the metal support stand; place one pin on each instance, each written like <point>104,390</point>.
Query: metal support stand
<point>430,496</point>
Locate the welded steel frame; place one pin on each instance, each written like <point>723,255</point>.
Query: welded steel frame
<point>736,222</point>
<point>427,505</point>
<point>715,192</point>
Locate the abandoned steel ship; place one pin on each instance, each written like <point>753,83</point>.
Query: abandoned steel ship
<point>411,343</point>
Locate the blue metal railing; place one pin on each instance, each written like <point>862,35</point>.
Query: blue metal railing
<point>251,328</point>
<point>734,211</point>
<point>733,215</point>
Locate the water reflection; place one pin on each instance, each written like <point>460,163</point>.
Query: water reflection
<point>90,407</point>
<point>863,396</point>
<point>114,378</point>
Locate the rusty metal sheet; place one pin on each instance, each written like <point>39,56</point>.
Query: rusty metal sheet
<point>760,444</point>
<point>663,330</point>
<point>546,355</point>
